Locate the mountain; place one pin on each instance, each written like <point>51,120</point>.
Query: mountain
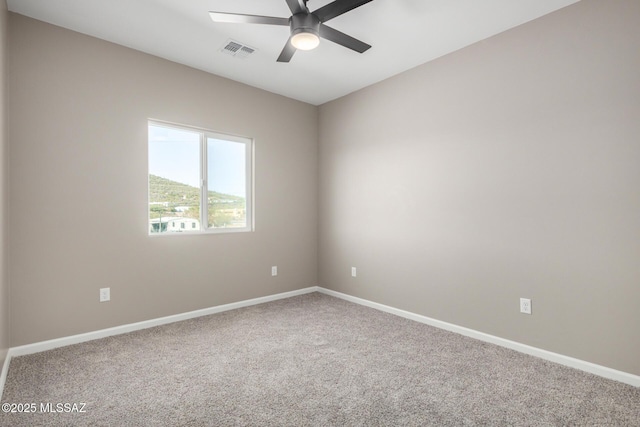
<point>169,198</point>
<point>163,190</point>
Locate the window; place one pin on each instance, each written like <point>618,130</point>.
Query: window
<point>200,178</point>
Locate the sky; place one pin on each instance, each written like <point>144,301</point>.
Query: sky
<point>175,154</point>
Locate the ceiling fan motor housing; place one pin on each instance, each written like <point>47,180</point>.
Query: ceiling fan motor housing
<point>305,23</point>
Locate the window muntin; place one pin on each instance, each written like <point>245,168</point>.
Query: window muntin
<point>199,181</point>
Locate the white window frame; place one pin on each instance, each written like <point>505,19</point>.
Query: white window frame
<point>204,134</point>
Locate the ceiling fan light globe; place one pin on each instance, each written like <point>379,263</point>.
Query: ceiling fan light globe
<point>305,40</point>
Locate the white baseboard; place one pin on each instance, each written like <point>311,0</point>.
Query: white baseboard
<point>571,362</point>
<point>117,330</point>
<point>602,371</point>
<point>5,371</point>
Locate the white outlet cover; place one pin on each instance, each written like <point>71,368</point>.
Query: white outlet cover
<point>525,305</point>
<point>105,294</point>
<point>353,272</point>
<point>274,270</point>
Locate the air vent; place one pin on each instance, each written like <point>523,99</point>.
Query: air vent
<point>237,49</point>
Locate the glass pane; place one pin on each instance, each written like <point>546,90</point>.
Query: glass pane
<point>226,176</point>
<point>174,180</point>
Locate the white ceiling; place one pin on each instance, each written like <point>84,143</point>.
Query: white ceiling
<point>403,33</point>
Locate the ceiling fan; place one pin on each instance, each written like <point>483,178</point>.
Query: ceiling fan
<point>306,27</point>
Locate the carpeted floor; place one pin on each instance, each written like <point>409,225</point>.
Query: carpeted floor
<point>311,360</point>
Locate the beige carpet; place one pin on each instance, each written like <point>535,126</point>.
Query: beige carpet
<point>311,360</point>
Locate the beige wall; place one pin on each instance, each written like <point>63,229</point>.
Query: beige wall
<point>507,169</point>
<point>78,187</point>
<point>4,284</point>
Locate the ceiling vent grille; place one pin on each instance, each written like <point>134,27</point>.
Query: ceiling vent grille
<point>237,49</point>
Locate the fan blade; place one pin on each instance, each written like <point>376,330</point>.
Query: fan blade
<point>287,52</point>
<point>337,8</point>
<point>238,18</point>
<point>343,39</point>
<point>297,6</point>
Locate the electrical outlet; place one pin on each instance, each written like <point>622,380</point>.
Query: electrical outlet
<point>353,272</point>
<point>105,294</point>
<point>274,270</point>
<point>525,305</point>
